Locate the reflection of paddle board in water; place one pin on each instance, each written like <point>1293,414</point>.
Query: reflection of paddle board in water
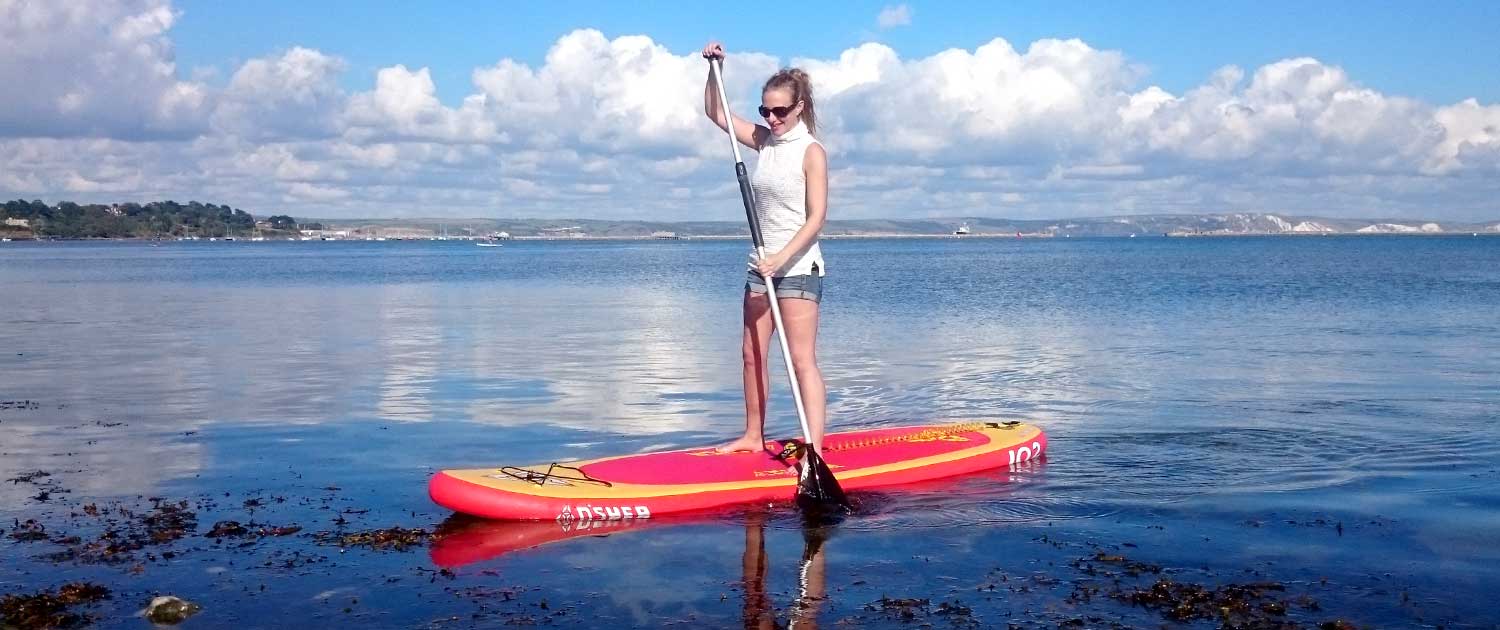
<point>640,486</point>
<point>479,540</point>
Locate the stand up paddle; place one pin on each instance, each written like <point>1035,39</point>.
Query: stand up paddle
<point>817,490</point>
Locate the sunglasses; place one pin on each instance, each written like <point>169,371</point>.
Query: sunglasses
<point>781,112</point>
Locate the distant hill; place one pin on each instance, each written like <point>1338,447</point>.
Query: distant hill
<point>157,219</point>
<point>1134,225</point>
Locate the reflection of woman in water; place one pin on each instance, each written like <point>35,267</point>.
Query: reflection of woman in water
<point>465,541</point>
<point>759,614</point>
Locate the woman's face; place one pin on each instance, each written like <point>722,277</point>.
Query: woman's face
<point>779,110</point>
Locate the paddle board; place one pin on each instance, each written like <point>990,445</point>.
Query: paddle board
<point>648,484</point>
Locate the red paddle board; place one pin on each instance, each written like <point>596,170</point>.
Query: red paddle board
<point>644,485</point>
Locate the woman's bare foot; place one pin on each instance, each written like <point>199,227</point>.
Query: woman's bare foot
<point>745,443</point>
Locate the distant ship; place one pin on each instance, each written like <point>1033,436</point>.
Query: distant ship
<point>962,229</point>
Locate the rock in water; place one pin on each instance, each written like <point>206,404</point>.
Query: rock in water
<point>170,610</point>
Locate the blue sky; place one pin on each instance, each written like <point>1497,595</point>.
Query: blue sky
<point>344,109</point>
<point>1442,51</point>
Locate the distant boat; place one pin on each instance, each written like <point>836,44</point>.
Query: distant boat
<point>489,245</point>
<point>962,229</point>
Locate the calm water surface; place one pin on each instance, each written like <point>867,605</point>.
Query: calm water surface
<point>1318,413</point>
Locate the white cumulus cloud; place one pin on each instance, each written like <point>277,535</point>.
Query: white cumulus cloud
<point>893,16</point>
<point>613,127</point>
<point>404,104</point>
<point>1471,138</point>
<point>94,68</point>
<point>294,95</point>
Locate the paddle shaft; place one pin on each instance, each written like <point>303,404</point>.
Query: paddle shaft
<point>747,195</point>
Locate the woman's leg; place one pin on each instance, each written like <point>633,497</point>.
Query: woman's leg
<point>800,317</point>
<point>755,346</point>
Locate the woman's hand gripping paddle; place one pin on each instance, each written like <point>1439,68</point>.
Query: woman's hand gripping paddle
<point>817,490</point>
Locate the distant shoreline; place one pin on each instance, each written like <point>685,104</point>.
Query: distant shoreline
<point>170,220</point>
<point>731,237</point>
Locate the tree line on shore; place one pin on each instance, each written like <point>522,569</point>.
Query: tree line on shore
<point>157,219</point>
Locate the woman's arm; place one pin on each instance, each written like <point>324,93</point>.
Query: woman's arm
<point>748,133</point>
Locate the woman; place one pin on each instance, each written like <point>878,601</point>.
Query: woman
<point>791,201</point>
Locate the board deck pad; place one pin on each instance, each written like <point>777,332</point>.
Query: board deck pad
<point>646,484</point>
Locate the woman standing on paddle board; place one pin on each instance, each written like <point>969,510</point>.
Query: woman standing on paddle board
<point>791,199</point>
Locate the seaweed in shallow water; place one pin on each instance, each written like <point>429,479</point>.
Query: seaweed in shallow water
<point>397,538</point>
<point>48,610</point>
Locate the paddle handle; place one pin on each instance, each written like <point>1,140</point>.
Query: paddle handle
<point>747,196</point>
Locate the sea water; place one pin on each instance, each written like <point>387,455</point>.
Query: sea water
<point>1313,415</point>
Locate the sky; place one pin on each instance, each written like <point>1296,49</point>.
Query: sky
<point>348,109</point>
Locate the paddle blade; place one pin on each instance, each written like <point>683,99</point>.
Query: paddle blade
<point>817,490</point>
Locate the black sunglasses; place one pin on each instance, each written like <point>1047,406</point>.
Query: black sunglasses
<point>781,112</point>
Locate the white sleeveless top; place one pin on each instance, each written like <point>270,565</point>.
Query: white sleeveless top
<point>781,198</point>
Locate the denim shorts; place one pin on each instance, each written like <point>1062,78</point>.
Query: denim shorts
<point>809,287</point>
